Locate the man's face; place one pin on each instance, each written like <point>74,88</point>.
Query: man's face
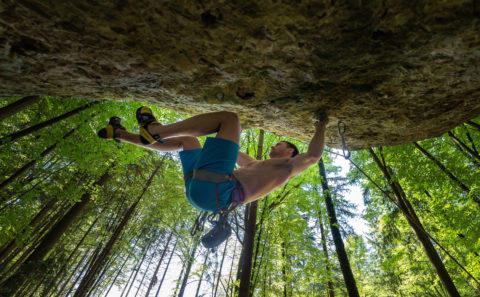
<point>280,150</point>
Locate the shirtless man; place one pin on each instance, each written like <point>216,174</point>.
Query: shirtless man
<point>253,180</point>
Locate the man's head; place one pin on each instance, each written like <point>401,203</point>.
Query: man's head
<point>283,149</point>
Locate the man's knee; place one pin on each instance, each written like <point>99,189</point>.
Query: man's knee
<point>229,116</point>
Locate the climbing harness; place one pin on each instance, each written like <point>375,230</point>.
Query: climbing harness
<point>208,176</point>
<point>221,228</point>
<point>342,127</point>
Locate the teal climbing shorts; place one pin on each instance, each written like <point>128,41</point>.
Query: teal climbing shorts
<point>219,155</point>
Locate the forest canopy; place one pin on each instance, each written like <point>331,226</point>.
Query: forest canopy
<point>81,216</point>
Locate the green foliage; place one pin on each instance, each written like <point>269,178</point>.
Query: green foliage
<point>289,252</point>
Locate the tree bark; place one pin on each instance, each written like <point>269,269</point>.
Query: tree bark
<point>245,266</point>
<point>65,266</point>
<point>15,136</point>
<point>230,274</point>
<point>17,106</point>
<point>417,227</point>
<point>38,233</point>
<point>257,245</point>
<point>166,268</point>
<point>330,290</point>
<point>446,171</point>
<point>154,277</point>
<point>190,261</point>
<point>473,124</point>
<point>31,265</point>
<point>8,248</point>
<point>220,270</point>
<point>30,164</point>
<point>119,271</point>
<point>89,278</point>
<point>470,138</point>
<point>284,270</point>
<point>64,285</point>
<point>179,280</point>
<point>337,237</point>
<point>201,275</point>
<point>137,269</point>
<point>85,268</point>
<point>464,146</point>
<point>146,270</point>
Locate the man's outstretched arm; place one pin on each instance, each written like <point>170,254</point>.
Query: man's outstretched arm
<point>315,149</point>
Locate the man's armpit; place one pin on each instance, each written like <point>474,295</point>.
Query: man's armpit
<point>301,163</point>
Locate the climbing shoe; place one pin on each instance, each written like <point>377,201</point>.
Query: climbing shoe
<point>219,233</point>
<point>145,118</point>
<point>110,132</point>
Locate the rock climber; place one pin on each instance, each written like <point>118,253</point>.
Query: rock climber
<point>211,181</point>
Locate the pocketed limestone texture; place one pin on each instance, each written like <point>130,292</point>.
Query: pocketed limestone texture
<point>395,71</point>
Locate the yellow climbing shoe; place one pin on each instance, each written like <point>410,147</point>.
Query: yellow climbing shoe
<point>145,118</point>
<point>110,132</point>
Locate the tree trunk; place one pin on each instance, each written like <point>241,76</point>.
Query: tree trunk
<point>446,171</point>
<point>337,237</point>
<point>247,250</point>
<point>119,271</point>
<point>65,266</point>
<point>30,164</point>
<point>470,138</point>
<point>8,248</point>
<point>179,280</point>
<point>137,269</point>
<point>220,270</point>
<point>417,227</point>
<point>330,291</point>
<point>146,270</point>
<point>15,136</point>
<point>64,285</point>
<point>154,277</point>
<point>201,275</point>
<point>284,270</point>
<point>17,106</point>
<point>473,124</point>
<point>85,268</point>
<point>89,278</point>
<point>230,273</point>
<point>464,146</point>
<point>38,233</point>
<point>31,265</point>
<point>245,266</point>
<point>190,261</point>
<point>257,245</point>
<point>166,268</point>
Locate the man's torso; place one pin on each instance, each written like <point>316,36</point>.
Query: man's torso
<point>261,177</point>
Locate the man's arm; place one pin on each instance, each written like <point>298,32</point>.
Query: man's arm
<point>244,159</point>
<point>315,149</point>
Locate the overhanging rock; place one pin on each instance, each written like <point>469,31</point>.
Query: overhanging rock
<point>393,71</point>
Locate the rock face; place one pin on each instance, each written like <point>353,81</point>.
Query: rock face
<point>393,71</point>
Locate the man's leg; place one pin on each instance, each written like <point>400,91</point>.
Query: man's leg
<point>225,123</point>
<point>170,144</point>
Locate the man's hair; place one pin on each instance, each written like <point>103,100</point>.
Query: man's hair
<point>292,146</point>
